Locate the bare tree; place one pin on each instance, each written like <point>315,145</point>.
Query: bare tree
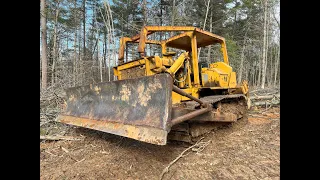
<point>264,44</point>
<point>84,27</point>
<point>204,24</point>
<point>144,6</point>
<point>75,46</point>
<point>110,30</point>
<point>259,68</point>
<point>242,53</point>
<point>44,44</point>
<point>172,15</point>
<point>276,66</point>
<point>55,38</point>
<point>267,43</point>
<point>242,59</point>
<point>209,47</point>
<point>277,59</point>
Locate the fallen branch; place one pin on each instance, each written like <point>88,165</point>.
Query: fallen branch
<point>50,153</point>
<point>80,161</point>
<point>55,138</point>
<point>64,149</point>
<point>262,103</point>
<point>199,146</point>
<point>267,108</point>
<point>263,91</point>
<point>71,156</point>
<point>253,115</point>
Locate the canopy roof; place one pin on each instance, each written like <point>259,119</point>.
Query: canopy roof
<point>204,38</point>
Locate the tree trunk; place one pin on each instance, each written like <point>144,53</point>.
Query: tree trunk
<point>84,28</point>
<point>161,1</point>
<point>271,67</point>
<point>44,44</point>
<point>67,40</point>
<point>55,47</point>
<point>105,46</point>
<point>107,38</point>
<point>209,47</point>
<point>260,69</point>
<point>107,22</point>
<point>93,26</point>
<point>75,58</point>
<point>264,45</point>
<point>144,5</point>
<point>242,53</point>
<point>276,66</point>
<point>204,26</point>
<point>100,60</point>
<point>254,76</point>
<point>247,68</point>
<point>241,60</point>
<point>172,15</point>
<point>75,48</point>
<point>109,58</point>
<point>267,43</point>
<point>80,63</point>
<point>112,39</point>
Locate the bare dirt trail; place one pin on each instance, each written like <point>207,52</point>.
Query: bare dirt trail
<point>249,149</point>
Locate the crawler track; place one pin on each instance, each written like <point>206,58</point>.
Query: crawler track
<point>191,131</point>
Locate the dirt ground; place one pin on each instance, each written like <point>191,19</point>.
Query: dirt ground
<point>248,149</point>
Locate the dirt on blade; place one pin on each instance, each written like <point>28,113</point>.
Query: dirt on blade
<point>248,149</point>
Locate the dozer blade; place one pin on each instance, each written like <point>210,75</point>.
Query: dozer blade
<point>135,108</point>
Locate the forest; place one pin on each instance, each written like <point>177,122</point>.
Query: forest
<point>79,39</point>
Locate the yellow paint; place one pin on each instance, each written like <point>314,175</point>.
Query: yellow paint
<point>233,80</point>
<point>97,89</point>
<point>176,98</point>
<point>125,93</point>
<point>178,63</point>
<point>133,132</point>
<point>224,52</point>
<point>143,97</point>
<point>163,48</point>
<point>131,64</point>
<point>71,98</point>
<point>218,75</point>
<point>167,60</point>
<point>195,69</point>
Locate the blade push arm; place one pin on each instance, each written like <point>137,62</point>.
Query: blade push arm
<point>178,63</point>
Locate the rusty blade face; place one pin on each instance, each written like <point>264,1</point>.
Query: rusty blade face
<point>136,108</point>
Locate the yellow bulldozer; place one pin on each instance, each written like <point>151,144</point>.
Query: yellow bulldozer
<point>156,98</point>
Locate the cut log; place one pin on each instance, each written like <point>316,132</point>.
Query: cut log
<point>262,103</point>
<point>265,97</point>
